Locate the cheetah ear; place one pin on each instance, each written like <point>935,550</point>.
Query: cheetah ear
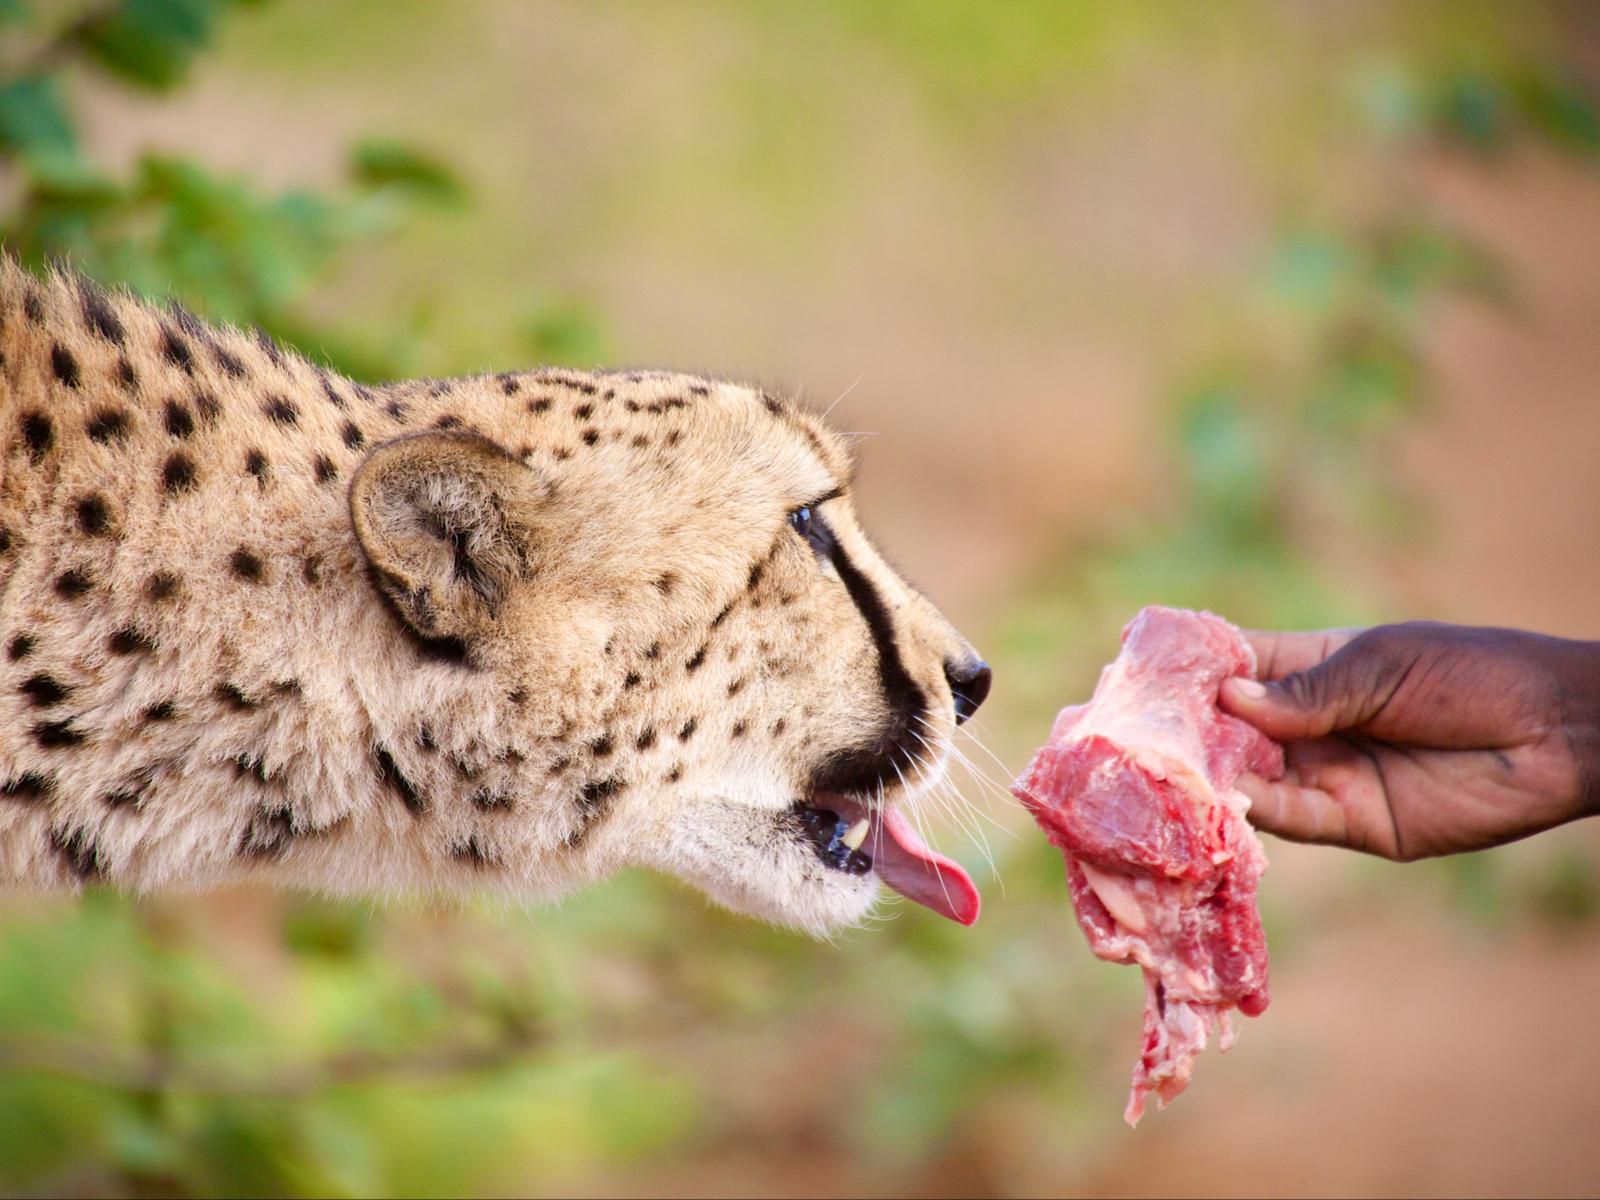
<point>446,520</point>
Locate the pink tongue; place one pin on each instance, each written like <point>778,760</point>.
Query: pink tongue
<point>917,873</point>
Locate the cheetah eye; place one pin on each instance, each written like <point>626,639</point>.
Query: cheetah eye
<point>800,520</point>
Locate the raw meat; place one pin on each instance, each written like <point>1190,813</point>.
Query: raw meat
<point>1136,787</point>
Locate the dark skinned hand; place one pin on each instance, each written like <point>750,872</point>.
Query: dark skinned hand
<point>1414,740</point>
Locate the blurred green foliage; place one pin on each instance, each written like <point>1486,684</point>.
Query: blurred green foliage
<point>170,226</point>
<point>321,1048</point>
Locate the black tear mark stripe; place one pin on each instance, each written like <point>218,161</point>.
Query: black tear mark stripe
<point>902,692</point>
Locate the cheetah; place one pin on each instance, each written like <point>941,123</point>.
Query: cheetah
<point>510,633</point>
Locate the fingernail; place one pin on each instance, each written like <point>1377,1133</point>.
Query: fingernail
<point>1248,688</point>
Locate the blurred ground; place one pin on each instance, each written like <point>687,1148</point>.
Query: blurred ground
<point>1000,274</point>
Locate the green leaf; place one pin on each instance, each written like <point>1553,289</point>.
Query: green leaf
<point>150,42</point>
<point>34,124</point>
<point>1562,109</point>
<point>380,163</point>
<point>13,10</point>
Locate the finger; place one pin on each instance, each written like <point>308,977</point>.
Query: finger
<point>1280,654</point>
<point>1343,691</point>
<point>1294,812</point>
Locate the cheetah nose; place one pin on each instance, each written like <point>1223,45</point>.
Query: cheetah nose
<point>969,685</point>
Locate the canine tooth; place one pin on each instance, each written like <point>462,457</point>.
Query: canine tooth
<point>856,834</point>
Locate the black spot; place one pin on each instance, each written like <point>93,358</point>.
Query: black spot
<point>473,853</point>
<point>210,410</point>
<point>33,305</point>
<point>696,662</point>
<point>779,726</point>
<point>186,320</point>
<point>79,851</point>
<point>518,697</point>
<point>163,585</point>
<point>591,436</point>
<point>325,469</point>
<point>740,729</point>
<point>311,569</point>
<point>252,765</point>
<point>721,616</point>
<point>127,377</point>
<point>487,800</point>
<point>39,433</point>
<point>329,391</point>
<point>109,424</point>
<point>699,389</point>
<point>448,421</point>
<point>73,583</point>
<point>510,385</point>
<point>94,515</point>
<point>21,646</point>
<point>231,695</point>
<point>352,435</point>
<point>43,691</point>
<point>126,797</point>
<point>281,411</point>
<point>29,786</point>
<point>646,738</point>
<point>256,463</point>
<point>390,775</point>
<point>598,790</point>
<point>653,650</point>
<point>287,687</point>
<point>229,362</point>
<point>631,680</point>
<point>673,775</point>
<point>176,351</point>
<point>5,540</point>
<point>396,410</point>
<point>773,406</point>
<point>665,582</point>
<point>674,437</point>
<point>425,740</point>
<point>735,687</point>
<point>688,729</point>
<point>268,834</point>
<point>178,474</point>
<point>64,365</point>
<point>640,441</point>
<point>57,735</point>
<point>754,581</point>
<point>179,423</point>
<point>601,747</point>
<point>268,346</point>
<point>583,412</point>
<point>129,641</point>
<point>539,406</point>
<point>246,565</point>
<point>99,316</point>
<point>163,711</point>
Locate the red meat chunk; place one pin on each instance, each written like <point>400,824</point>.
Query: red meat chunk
<point>1136,788</point>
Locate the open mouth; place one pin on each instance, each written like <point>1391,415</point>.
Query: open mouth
<point>849,836</point>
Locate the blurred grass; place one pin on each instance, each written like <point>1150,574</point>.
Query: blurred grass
<point>303,1047</point>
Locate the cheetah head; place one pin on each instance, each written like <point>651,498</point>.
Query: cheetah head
<point>714,674</point>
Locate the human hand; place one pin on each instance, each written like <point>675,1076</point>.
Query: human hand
<point>1414,740</point>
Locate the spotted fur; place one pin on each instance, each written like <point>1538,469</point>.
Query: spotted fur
<point>513,631</point>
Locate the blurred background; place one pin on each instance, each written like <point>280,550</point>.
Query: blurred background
<point>1288,310</point>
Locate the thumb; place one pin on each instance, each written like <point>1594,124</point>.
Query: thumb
<point>1333,695</point>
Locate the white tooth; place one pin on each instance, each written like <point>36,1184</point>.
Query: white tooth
<point>856,834</point>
